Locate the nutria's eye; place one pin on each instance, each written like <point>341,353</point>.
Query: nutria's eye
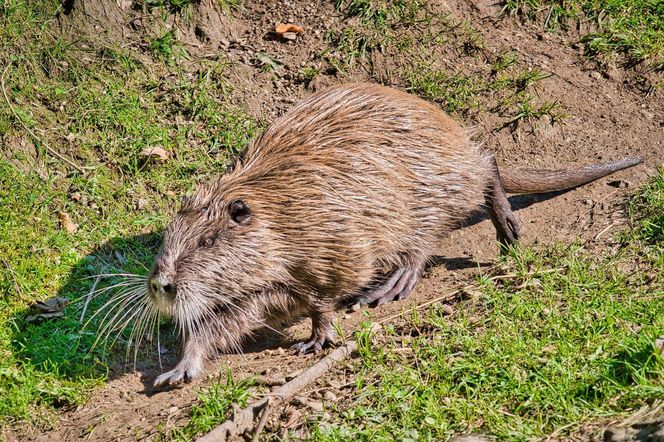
<point>240,212</point>
<point>206,242</point>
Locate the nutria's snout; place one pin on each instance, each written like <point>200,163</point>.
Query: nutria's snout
<point>161,287</point>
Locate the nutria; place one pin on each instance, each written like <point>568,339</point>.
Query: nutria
<point>343,199</point>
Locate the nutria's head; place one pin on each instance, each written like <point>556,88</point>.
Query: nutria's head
<point>216,252</point>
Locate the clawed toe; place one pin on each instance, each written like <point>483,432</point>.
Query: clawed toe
<point>315,344</point>
<point>172,377</point>
<point>396,287</point>
<point>185,371</point>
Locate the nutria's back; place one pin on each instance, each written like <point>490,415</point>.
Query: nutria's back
<point>356,177</point>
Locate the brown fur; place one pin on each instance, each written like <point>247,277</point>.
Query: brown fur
<point>353,184</point>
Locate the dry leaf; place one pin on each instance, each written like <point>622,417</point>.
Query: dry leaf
<point>283,28</point>
<point>66,223</point>
<point>266,60</point>
<point>51,308</point>
<point>155,152</point>
<point>76,196</point>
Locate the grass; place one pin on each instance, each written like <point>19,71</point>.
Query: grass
<point>213,408</point>
<point>100,107</point>
<point>414,36</point>
<point>563,344</point>
<point>634,28</point>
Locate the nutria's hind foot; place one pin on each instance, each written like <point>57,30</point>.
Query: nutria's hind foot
<point>500,212</point>
<point>397,286</point>
<point>189,367</point>
<point>322,334</point>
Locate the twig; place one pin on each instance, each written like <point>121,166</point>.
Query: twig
<point>606,229</point>
<point>89,296</point>
<point>261,424</point>
<point>32,134</point>
<point>243,420</point>
<point>11,271</point>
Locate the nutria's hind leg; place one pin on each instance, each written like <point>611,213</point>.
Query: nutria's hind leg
<point>396,286</point>
<point>500,211</point>
<point>322,333</point>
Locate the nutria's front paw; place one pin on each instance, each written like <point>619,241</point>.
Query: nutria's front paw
<point>183,372</point>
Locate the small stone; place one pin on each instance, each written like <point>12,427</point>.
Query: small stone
<point>596,75</point>
<point>140,203</point>
<point>173,410</point>
<point>588,202</point>
<point>375,327</point>
<point>315,406</point>
<point>280,351</point>
<point>76,196</point>
<point>329,396</point>
<point>447,309</point>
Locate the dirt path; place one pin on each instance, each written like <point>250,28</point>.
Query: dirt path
<point>610,119</point>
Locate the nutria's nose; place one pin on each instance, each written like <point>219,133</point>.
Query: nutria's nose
<point>158,285</point>
<point>161,285</point>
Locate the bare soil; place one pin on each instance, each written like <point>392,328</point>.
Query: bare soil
<point>610,119</point>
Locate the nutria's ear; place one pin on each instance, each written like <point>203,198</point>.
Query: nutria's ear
<point>240,212</point>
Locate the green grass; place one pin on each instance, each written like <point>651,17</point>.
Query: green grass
<point>413,36</point>
<point>634,28</point>
<point>564,343</point>
<point>100,107</point>
<point>213,407</point>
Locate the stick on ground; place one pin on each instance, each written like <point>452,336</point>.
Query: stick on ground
<point>242,421</point>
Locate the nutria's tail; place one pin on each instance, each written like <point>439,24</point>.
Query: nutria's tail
<point>541,181</point>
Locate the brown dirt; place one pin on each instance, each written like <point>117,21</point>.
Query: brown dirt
<point>610,119</point>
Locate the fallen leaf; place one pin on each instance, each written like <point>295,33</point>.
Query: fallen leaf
<point>76,196</point>
<point>283,28</point>
<point>293,417</point>
<point>155,152</point>
<point>266,60</point>
<point>66,223</point>
<point>49,309</point>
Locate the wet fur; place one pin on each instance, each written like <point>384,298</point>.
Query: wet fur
<point>351,184</point>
